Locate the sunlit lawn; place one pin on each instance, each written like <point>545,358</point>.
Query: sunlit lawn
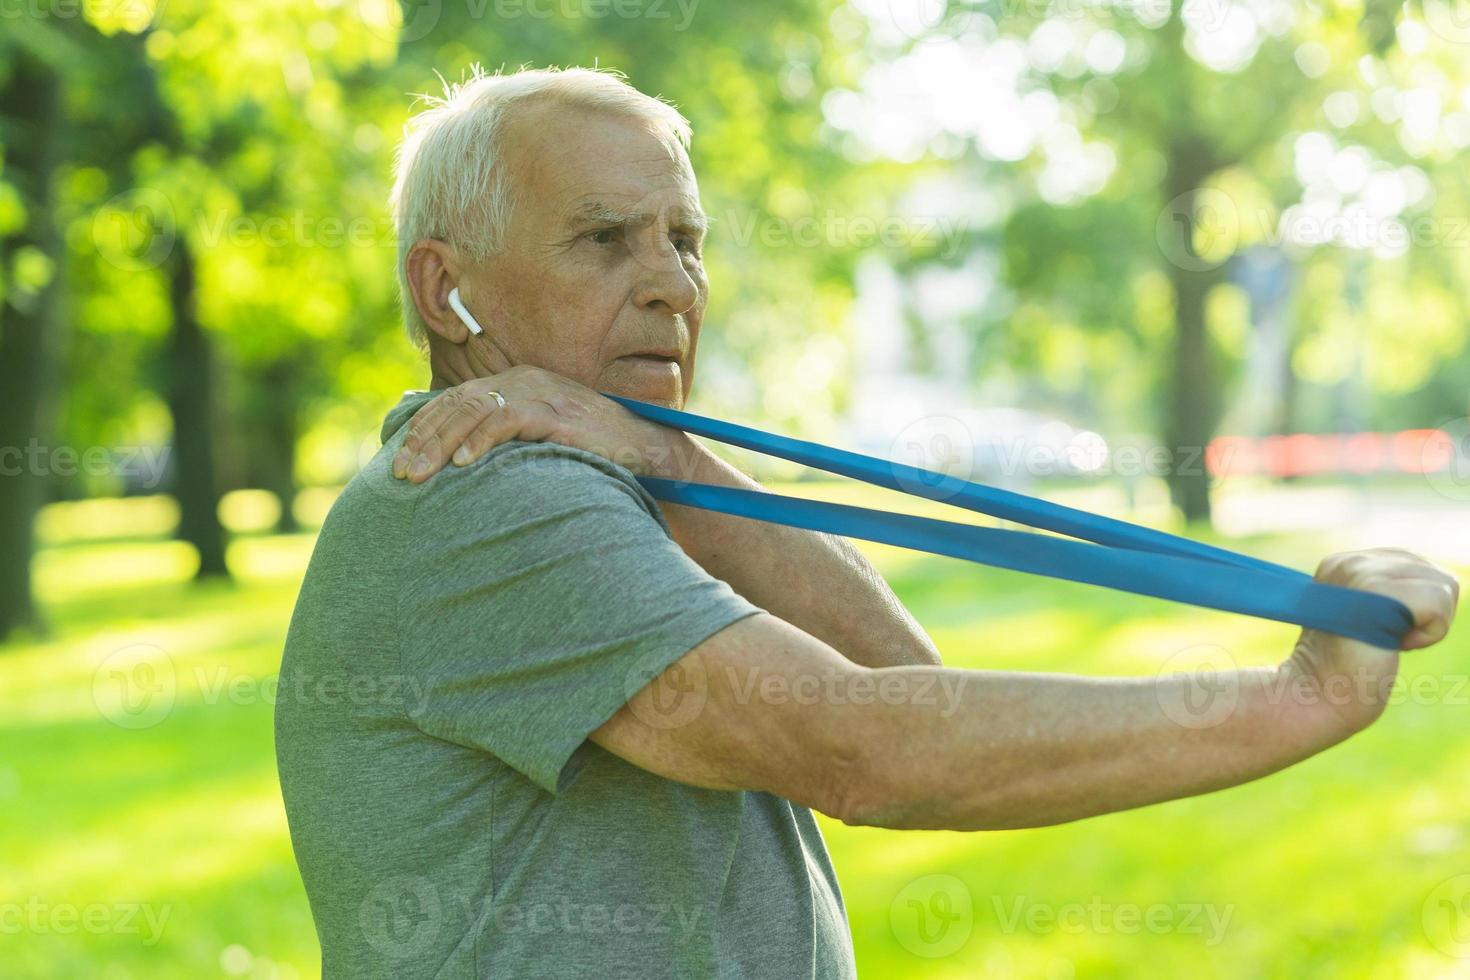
<point>161,851</point>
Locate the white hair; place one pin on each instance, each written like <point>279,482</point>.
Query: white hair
<point>447,182</point>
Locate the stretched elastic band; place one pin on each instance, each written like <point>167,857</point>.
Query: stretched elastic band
<point>1122,556</point>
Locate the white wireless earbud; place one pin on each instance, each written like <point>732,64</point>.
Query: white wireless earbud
<point>457,305</point>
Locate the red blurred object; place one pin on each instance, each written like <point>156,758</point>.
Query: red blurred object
<point>1305,454</point>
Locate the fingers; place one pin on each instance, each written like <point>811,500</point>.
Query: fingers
<point>440,427</point>
<point>1430,603</point>
<point>530,421</point>
<point>1433,604</point>
<point>425,422</point>
<point>533,421</point>
<point>422,423</point>
<point>501,426</point>
<point>429,458</point>
<point>466,422</point>
<point>472,408</point>
<point>1429,592</point>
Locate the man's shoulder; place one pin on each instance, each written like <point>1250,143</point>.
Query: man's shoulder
<point>539,461</point>
<point>519,479</point>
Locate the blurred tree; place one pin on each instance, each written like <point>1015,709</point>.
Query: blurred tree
<point>1139,148</point>
<point>30,250</point>
<point>188,361</point>
<point>40,86</point>
<point>1174,128</point>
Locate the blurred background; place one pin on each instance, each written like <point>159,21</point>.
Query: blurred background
<point>1202,267</point>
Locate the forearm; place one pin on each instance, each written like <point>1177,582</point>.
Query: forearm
<point>1009,750</point>
<point>817,582</point>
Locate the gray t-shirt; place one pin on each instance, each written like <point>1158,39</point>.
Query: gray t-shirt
<point>452,647</point>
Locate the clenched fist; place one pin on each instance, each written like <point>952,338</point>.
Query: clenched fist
<point>1347,682</point>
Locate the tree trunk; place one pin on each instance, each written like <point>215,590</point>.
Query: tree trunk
<point>283,467</point>
<point>1285,423</point>
<point>277,439</point>
<point>1192,400</point>
<point>1189,427</point>
<point>31,108</point>
<point>191,403</point>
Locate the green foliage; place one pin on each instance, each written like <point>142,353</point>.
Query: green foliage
<point>261,137</point>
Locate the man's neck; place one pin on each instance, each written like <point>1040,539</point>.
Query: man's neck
<point>454,364</point>
<point>440,380</point>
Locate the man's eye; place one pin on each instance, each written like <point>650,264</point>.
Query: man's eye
<point>604,236</point>
<point>686,245</point>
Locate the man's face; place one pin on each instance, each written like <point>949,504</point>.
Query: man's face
<point>600,278</point>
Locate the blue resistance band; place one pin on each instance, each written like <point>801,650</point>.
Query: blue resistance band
<point>1123,556</point>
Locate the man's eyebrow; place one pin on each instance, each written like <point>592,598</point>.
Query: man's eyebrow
<point>600,213</point>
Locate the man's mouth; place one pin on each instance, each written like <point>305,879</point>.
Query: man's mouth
<point>653,362</point>
<point>653,368</point>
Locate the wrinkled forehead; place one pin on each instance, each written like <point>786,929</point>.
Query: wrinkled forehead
<point>570,165</point>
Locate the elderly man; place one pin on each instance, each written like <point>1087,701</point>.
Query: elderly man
<point>532,724</point>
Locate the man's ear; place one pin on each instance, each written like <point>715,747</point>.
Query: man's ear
<point>434,269</point>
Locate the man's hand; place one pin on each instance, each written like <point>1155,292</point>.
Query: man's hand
<point>466,422</point>
<point>1347,682</point>
<point>819,583</point>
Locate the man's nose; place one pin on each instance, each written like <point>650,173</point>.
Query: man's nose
<point>665,283</point>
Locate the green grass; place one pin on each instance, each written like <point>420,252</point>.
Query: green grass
<point>1326,870</point>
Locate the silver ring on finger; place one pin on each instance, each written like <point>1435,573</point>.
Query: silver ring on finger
<point>499,399</point>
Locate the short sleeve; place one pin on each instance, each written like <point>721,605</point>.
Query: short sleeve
<point>543,591</point>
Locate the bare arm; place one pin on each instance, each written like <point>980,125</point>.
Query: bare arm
<point>930,747</point>
<point>817,582</point>
<point>947,749</point>
<point>1026,750</point>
